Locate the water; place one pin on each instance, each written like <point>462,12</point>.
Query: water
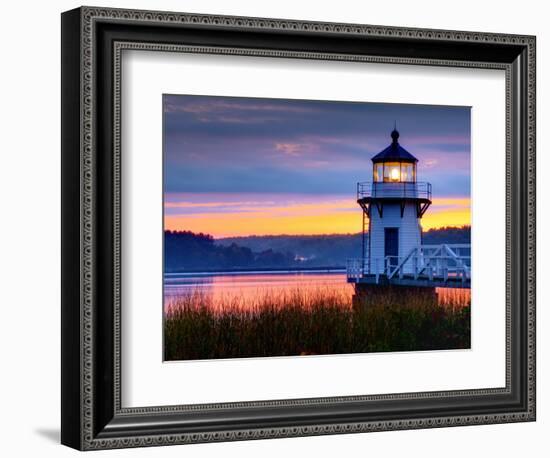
<point>252,289</point>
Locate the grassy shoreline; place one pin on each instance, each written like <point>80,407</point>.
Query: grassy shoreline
<point>298,323</point>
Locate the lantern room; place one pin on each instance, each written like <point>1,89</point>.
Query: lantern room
<point>394,164</point>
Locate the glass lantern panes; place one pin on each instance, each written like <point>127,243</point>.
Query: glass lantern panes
<point>407,172</point>
<point>378,171</point>
<point>392,172</point>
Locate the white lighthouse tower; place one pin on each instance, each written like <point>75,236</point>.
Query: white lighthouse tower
<point>393,204</point>
<point>393,255</point>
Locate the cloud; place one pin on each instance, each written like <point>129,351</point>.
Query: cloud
<point>231,144</point>
<point>209,104</point>
<point>294,149</point>
<point>275,206</point>
<point>430,163</point>
<point>193,205</point>
<point>428,140</point>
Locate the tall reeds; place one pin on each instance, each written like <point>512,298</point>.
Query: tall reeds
<point>310,323</point>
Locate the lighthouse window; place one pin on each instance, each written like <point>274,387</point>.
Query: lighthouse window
<point>407,172</point>
<point>378,172</point>
<point>392,171</point>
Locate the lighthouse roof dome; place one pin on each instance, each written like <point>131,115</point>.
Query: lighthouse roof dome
<point>394,152</point>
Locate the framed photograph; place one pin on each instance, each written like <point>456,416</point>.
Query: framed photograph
<point>276,228</point>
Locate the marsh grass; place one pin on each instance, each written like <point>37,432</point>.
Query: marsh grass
<point>310,323</point>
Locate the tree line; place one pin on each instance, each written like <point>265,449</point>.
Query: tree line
<point>186,251</point>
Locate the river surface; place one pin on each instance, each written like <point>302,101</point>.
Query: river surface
<point>245,290</point>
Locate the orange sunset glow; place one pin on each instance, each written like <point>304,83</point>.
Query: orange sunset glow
<point>238,167</point>
<point>243,217</point>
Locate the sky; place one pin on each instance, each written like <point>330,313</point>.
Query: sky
<point>238,166</point>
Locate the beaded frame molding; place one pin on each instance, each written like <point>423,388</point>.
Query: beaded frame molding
<point>93,40</point>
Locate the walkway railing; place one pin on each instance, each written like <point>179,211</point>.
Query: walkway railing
<point>442,262</point>
<point>399,190</point>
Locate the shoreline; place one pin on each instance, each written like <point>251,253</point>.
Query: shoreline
<point>315,270</point>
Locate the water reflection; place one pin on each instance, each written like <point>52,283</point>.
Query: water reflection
<point>253,290</point>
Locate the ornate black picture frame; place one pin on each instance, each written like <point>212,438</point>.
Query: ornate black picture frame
<point>92,42</point>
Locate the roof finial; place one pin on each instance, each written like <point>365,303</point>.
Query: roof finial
<point>394,134</point>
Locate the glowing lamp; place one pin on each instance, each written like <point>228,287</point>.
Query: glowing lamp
<point>394,174</point>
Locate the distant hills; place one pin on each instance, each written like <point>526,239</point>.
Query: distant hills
<point>447,235</point>
<point>186,251</point>
<point>307,250</point>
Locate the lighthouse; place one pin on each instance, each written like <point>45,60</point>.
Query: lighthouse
<point>393,204</point>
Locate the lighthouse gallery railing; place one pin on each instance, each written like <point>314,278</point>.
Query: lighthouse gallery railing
<point>397,190</point>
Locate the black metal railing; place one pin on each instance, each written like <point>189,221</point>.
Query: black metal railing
<point>395,190</point>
